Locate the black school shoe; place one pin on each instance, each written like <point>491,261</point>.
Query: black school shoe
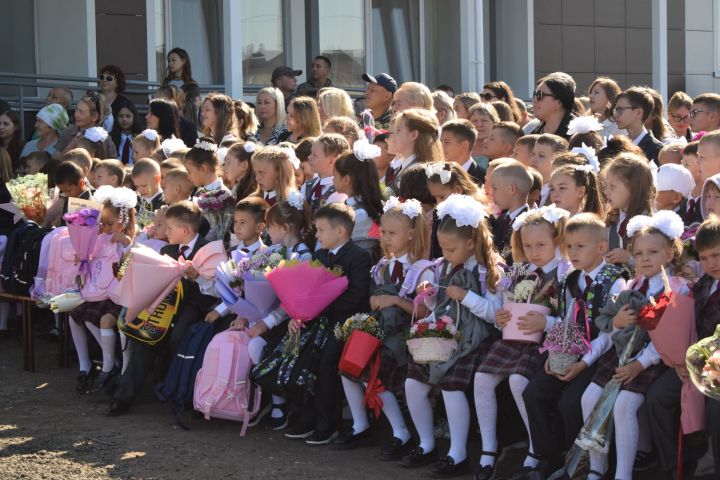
<point>321,438</point>
<point>104,381</point>
<point>349,440</point>
<point>447,468</point>
<point>300,431</point>
<point>394,450</point>
<point>418,458</point>
<point>117,408</point>
<point>84,380</point>
<point>280,423</point>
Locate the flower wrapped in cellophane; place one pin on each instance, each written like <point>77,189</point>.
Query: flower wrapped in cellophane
<point>703,364</point>
<point>30,194</point>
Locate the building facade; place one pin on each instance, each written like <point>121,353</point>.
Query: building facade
<point>669,44</point>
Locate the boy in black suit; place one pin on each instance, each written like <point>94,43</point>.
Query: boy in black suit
<point>183,222</point>
<point>71,182</point>
<point>334,222</point>
<point>458,138</point>
<point>632,109</point>
<point>511,183</point>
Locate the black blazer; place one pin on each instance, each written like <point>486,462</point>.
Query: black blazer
<point>188,132</point>
<point>355,262</point>
<point>650,146</point>
<point>477,173</point>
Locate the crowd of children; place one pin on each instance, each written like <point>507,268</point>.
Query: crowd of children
<point>430,221</point>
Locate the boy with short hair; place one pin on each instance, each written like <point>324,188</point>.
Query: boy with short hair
<point>511,183</point>
<point>146,177</point>
<point>178,186</point>
<point>632,109</point>
<point>708,155</point>
<point>546,148</point>
<point>167,165</point>
<point>182,224</point>
<point>71,182</point>
<point>81,158</point>
<point>674,185</point>
<point>524,148</point>
<point>502,139</point>
<point>662,400</point>
<point>457,138</point>
<point>319,419</point>
<point>110,172</point>
<point>249,224</point>
<point>549,396</point>
<point>35,162</point>
<point>492,165</point>
<point>325,150</point>
<point>692,213</point>
<point>705,113</point>
<point>672,153</point>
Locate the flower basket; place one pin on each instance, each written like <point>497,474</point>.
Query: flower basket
<point>559,362</point>
<point>511,331</point>
<point>431,349</point>
<point>566,343</point>
<point>358,352</point>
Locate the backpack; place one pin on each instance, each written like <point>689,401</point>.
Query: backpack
<point>62,270</point>
<point>21,257</point>
<point>38,289</point>
<point>223,388</point>
<point>179,381</point>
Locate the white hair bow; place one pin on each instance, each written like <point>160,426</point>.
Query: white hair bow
<point>551,213</point>
<point>96,134</point>
<point>589,153</point>
<point>584,124</point>
<point>667,221</point>
<point>464,209</point>
<point>364,150</point>
<point>438,168</point>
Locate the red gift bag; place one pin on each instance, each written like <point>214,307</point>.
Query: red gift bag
<point>357,353</point>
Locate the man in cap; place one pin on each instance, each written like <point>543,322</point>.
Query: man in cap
<point>284,79</point>
<point>378,97</point>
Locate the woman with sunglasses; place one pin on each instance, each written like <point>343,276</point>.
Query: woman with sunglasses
<point>112,84</point>
<point>88,113</point>
<point>499,90</point>
<point>553,102</point>
<point>679,115</point>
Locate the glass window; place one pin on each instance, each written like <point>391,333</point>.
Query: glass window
<point>160,61</point>
<point>396,38</point>
<point>342,39</point>
<point>262,37</point>
<point>202,39</point>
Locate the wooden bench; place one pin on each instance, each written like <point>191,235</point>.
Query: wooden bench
<point>28,338</point>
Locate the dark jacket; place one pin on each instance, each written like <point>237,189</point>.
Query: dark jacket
<point>477,173</point>
<point>650,146</point>
<point>355,263</point>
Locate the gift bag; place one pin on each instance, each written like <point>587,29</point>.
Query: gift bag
<point>357,353</point>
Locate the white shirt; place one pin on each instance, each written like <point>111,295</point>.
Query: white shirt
<point>466,166</point>
<point>269,195</point>
<point>153,197</point>
<point>516,212</point>
<point>482,306</point>
<point>325,183</point>
<point>335,250</point>
<point>216,185</point>
<point>125,138</point>
<point>639,138</point>
<point>544,194</point>
<point>398,161</point>
<point>190,246</point>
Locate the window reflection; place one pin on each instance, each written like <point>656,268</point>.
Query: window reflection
<point>342,39</point>
<point>262,37</point>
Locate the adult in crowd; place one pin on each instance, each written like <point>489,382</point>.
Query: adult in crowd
<point>679,115</point>
<point>412,95</point>
<point>303,120</point>
<point>443,104</point>
<point>553,103</point>
<point>10,135</point>
<point>164,118</point>
<point>270,108</point>
<point>188,130</point>
<point>319,77</point>
<point>62,95</point>
<point>284,79</point>
<point>379,97</point>
<point>334,102</point>
<point>218,118</point>
<point>602,94</point>
<point>705,112</point>
<point>524,115</point>
<point>88,113</point>
<point>247,122</point>
<point>499,90</point>
<point>463,102</point>
<point>179,73</point>
<point>48,122</point>
<point>483,116</point>
<point>112,84</point>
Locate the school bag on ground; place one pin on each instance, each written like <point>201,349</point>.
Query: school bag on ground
<point>223,388</point>
<point>180,379</point>
<point>22,256</point>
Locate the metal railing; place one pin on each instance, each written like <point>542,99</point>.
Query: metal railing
<point>26,96</point>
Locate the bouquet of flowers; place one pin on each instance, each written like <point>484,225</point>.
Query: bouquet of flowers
<point>703,364</point>
<point>363,322</point>
<point>523,292</point>
<point>30,194</point>
<point>218,207</point>
<point>83,228</point>
<point>305,289</point>
<point>242,285</point>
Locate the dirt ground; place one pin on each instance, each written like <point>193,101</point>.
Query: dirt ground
<point>47,431</point>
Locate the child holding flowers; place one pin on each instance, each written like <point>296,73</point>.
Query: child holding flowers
<point>467,299</point>
<point>655,245</point>
<point>404,240</point>
<point>536,241</point>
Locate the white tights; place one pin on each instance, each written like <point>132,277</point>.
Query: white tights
<point>355,395</point>
<point>626,430</point>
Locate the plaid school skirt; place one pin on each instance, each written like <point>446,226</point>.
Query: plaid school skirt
<point>606,369</point>
<point>508,357</point>
<point>93,311</point>
<point>459,377</point>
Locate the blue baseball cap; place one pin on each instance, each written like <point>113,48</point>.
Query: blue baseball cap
<point>382,79</point>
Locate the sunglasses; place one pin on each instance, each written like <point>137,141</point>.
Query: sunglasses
<point>539,95</point>
<point>107,78</point>
<point>488,96</point>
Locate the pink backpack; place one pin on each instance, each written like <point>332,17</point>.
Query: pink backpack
<point>222,386</point>
<point>62,269</point>
<point>102,276</point>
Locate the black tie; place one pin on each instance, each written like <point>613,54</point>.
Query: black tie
<point>184,249</point>
<point>398,275</point>
<point>644,287</point>
<point>125,158</point>
<point>331,258</point>
<point>588,282</point>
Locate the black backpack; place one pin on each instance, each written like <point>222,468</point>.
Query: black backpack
<point>22,256</point>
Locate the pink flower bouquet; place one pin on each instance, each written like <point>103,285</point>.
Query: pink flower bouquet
<point>84,228</point>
